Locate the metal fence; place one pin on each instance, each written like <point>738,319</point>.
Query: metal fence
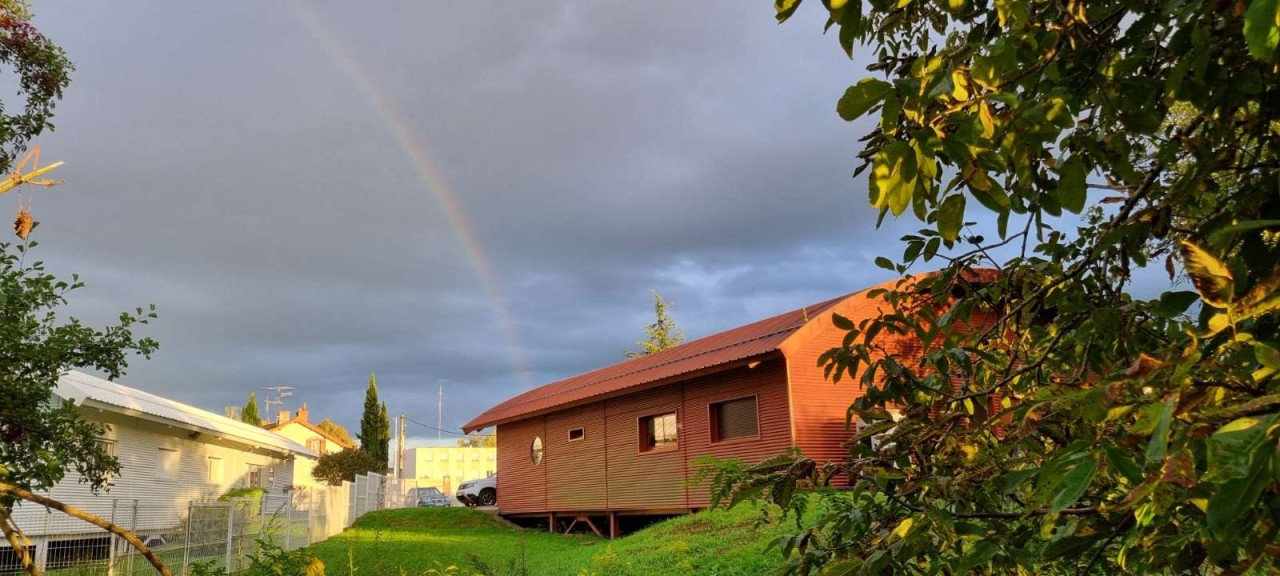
<point>225,534</point>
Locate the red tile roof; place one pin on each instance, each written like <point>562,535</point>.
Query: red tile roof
<point>737,344</point>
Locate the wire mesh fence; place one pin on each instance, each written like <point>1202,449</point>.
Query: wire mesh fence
<point>223,533</point>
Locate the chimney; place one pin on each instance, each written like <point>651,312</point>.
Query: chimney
<point>282,416</point>
<point>302,414</point>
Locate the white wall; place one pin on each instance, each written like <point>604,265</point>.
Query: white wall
<point>137,444</point>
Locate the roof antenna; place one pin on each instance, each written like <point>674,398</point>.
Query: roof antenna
<point>282,392</point>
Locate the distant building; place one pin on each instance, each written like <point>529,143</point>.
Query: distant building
<point>299,429</point>
<point>447,466</point>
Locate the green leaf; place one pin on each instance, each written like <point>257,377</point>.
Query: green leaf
<point>1071,185</point>
<point>785,8</point>
<point>1211,278</point>
<point>889,114</point>
<point>1234,448</point>
<point>1074,483</point>
<point>1234,499</point>
<point>893,177</point>
<point>861,97</point>
<point>1159,444</point>
<point>1173,303</point>
<point>1262,28</point>
<point>951,217</point>
<point>885,263</point>
<point>841,322</point>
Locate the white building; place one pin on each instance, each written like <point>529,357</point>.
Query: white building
<point>170,454</point>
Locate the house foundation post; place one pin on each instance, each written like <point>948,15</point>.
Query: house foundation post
<point>613,525</point>
<point>551,522</point>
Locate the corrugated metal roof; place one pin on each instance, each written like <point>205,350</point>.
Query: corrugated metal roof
<point>80,387</point>
<point>737,344</point>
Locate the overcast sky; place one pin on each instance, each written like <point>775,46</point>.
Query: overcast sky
<point>277,179</point>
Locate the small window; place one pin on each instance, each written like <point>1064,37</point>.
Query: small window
<point>426,457</point>
<point>213,470</point>
<point>658,432</point>
<point>108,446</point>
<point>535,450</point>
<point>734,419</point>
<point>168,463</point>
<point>253,476</point>
<point>316,445</point>
<point>576,434</point>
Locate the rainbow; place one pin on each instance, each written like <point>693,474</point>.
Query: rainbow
<point>429,172</point>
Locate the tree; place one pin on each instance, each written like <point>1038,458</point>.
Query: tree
<point>1055,422</point>
<point>332,469</point>
<point>478,441</point>
<point>337,430</point>
<point>375,427</point>
<point>249,415</point>
<point>663,333</point>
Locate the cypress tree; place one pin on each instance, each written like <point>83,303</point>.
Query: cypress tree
<point>250,413</point>
<point>375,429</point>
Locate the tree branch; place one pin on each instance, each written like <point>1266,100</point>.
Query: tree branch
<point>28,563</point>
<point>90,518</point>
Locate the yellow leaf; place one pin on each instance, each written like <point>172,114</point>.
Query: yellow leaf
<point>904,527</point>
<point>988,123</point>
<point>960,90</point>
<point>1211,278</point>
<point>970,452</point>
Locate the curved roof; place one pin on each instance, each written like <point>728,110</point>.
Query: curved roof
<point>739,343</point>
<point>81,387</point>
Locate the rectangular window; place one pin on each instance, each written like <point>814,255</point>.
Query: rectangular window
<point>168,463</point>
<point>108,446</point>
<point>214,470</point>
<point>658,432</point>
<point>576,434</point>
<point>734,419</point>
<point>253,476</point>
<point>316,445</point>
<point>426,457</point>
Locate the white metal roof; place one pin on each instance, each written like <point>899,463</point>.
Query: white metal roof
<point>82,387</point>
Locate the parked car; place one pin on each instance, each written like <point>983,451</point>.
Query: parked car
<point>482,492</point>
<point>432,497</point>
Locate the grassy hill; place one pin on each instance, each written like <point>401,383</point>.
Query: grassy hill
<point>414,541</point>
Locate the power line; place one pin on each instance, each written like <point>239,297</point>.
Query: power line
<point>430,427</point>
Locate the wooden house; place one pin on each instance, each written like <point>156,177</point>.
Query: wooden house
<point>622,440</point>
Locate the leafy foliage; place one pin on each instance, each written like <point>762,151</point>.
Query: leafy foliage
<point>1051,421</point>
<point>249,415</point>
<point>478,441</point>
<point>375,426</point>
<point>43,436</point>
<point>337,430</point>
<point>335,467</point>
<point>663,333</point>
<point>43,72</point>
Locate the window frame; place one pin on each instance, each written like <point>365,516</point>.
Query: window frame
<point>209,469</point>
<point>582,434</point>
<point>539,447</point>
<point>249,470</point>
<point>162,472</point>
<point>642,444</point>
<point>713,422</point>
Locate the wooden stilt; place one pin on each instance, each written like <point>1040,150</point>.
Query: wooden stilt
<point>551,522</point>
<point>613,525</point>
<point>585,520</point>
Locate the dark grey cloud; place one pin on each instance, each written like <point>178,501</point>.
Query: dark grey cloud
<point>223,165</point>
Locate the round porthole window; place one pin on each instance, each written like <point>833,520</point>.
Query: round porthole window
<point>535,451</point>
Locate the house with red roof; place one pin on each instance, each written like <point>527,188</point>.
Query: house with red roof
<point>622,440</point>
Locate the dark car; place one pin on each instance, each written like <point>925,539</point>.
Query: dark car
<point>433,497</point>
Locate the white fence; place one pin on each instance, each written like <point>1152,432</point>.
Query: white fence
<point>223,533</point>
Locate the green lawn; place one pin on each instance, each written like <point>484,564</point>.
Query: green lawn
<point>413,541</point>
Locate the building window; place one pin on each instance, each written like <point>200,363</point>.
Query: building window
<point>108,446</point>
<point>213,470</point>
<point>535,450</point>
<point>734,419</point>
<point>168,463</point>
<point>576,434</point>
<point>658,432</point>
<point>426,457</point>
<point>253,475</point>
<point>316,445</point>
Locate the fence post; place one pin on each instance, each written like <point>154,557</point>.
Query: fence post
<point>231,525</point>
<point>113,541</point>
<point>133,527</point>
<point>288,522</point>
<point>186,540</point>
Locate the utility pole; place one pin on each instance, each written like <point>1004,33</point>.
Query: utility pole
<point>400,447</point>
<point>440,413</point>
